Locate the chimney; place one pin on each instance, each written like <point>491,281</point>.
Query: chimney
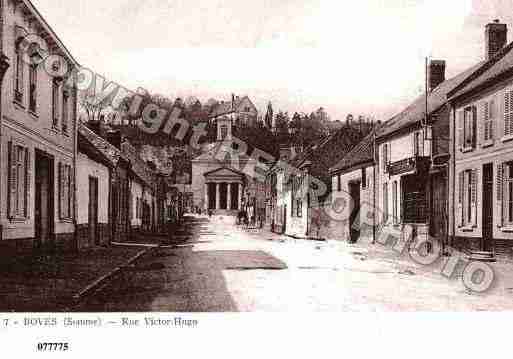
<point>115,139</point>
<point>496,37</point>
<point>436,73</point>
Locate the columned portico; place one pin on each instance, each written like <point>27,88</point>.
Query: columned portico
<point>223,190</point>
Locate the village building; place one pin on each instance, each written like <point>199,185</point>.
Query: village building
<point>411,162</point>
<point>294,212</point>
<point>96,162</point>
<point>38,143</point>
<point>481,200</point>
<point>218,180</point>
<point>141,194</point>
<point>241,110</point>
<point>354,184</point>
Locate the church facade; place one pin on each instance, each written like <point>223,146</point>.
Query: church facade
<point>219,183</point>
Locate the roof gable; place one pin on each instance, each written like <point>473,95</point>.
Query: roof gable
<point>108,152</point>
<point>224,172</point>
<point>489,71</point>
<point>416,111</point>
<point>361,154</point>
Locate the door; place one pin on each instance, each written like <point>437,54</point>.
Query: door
<point>439,218</point>
<point>354,191</point>
<point>43,211</point>
<point>93,211</point>
<point>488,241</point>
<point>285,219</point>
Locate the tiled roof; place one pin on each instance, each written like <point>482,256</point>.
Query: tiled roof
<point>109,152</point>
<point>415,112</point>
<point>360,154</point>
<point>138,166</point>
<point>490,70</point>
<point>326,154</point>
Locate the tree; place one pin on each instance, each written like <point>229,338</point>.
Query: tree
<point>282,122</point>
<point>93,107</point>
<point>269,116</point>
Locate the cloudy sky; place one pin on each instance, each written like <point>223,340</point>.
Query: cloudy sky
<point>364,56</point>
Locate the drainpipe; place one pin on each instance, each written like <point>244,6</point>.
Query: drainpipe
<point>75,150</point>
<point>453,184</point>
<point>374,191</point>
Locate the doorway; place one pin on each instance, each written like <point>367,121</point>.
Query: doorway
<point>487,220</point>
<point>93,211</point>
<point>439,218</point>
<point>44,199</point>
<point>354,192</point>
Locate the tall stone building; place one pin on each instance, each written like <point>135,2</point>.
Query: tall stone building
<point>218,179</point>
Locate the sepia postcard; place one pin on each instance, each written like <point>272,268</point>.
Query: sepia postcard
<point>275,177</point>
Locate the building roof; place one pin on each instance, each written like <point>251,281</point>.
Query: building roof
<point>416,111</point>
<point>47,28</point>
<point>138,166</point>
<point>362,153</point>
<point>228,107</point>
<point>326,154</point>
<point>487,72</point>
<point>110,153</point>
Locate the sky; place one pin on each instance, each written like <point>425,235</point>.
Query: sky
<point>361,57</point>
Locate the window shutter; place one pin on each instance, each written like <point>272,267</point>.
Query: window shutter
<point>385,157</point>
<point>460,121</point>
<point>461,181</point>
<point>71,193</point>
<point>474,126</point>
<point>61,191</point>
<point>12,179</point>
<point>507,113</point>
<point>473,182</point>
<point>484,124</point>
<point>500,193</point>
<point>28,182</point>
<point>492,114</point>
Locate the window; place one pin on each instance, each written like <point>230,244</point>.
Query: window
<point>65,191</point>
<point>224,132</point>
<point>385,157</point>
<point>65,111</point>
<point>385,202</point>
<point>469,127</point>
<point>395,203</point>
<point>18,74</point>
<point>19,181</point>
<point>489,115</point>
<point>33,88</point>
<point>418,144</point>
<point>508,113</point>
<point>468,198</point>
<point>55,104</point>
<point>505,193</point>
<point>364,178</point>
<point>297,196</point>
<point>339,183</point>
